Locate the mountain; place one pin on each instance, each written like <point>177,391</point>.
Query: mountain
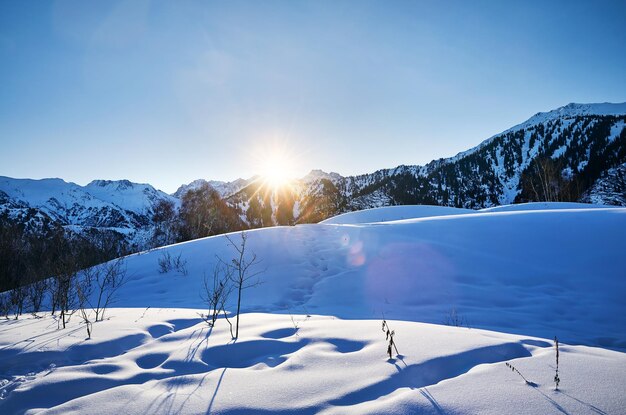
<point>582,147</point>
<point>574,153</point>
<point>224,189</point>
<point>583,139</point>
<point>116,207</point>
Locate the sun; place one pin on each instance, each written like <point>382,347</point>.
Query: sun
<point>277,167</point>
<point>275,172</point>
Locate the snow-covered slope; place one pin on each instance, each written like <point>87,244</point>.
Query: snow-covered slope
<point>311,340</point>
<point>317,174</point>
<point>569,111</point>
<point>490,174</point>
<point>574,110</point>
<point>543,206</point>
<point>610,188</point>
<point>392,213</point>
<point>136,197</point>
<point>536,272</point>
<point>99,194</point>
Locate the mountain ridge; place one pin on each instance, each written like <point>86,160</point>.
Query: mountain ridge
<point>585,143</point>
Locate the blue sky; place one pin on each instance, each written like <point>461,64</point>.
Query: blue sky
<point>167,92</point>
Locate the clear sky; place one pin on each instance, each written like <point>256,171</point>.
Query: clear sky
<point>166,92</point>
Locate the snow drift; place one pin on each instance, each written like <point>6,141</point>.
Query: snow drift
<point>168,361</point>
<point>536,272</point>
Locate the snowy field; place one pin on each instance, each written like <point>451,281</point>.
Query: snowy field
<point>169,361</point>
<point>311,338</point>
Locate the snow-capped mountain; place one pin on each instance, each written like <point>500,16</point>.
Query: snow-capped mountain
<point>584,145</point>
<point>586,139</point>
<point>225,189</point>
<point>107,206</point>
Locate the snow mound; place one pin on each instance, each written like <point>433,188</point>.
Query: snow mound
<point>391,213</point>
<point>169,361</point>
<point>535,272</point>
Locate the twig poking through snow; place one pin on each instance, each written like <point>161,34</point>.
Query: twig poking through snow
<point>514,369</point>
<point>557,380</point>
<point>389,336</point>
<point>143,315</point>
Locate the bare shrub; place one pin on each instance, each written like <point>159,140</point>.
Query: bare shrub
<point>84,290</point>
<point>107,280</point>
<point>453,318</point>
<point>165,262</point>
<point>216,291</point>
<point>17,298</point>
<point>63,289</point>
<point>244,271</point>
<point>5,305</point>
<point>180,265</point>
<point>96,290</point>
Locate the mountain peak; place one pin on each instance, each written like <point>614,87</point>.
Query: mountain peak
<point>225,189</point>
<point>317,174</point>
<point>114,184</point>
<point>575,109</point>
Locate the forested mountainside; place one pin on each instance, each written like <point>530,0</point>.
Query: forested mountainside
<point>574,153</point>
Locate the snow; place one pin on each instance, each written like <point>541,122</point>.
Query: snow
<point>224,189</point>
<point>38,192</point>
<point>616,130</point>
<point>57,196</point>
<point>311,339</point>
<point>390,213</point>
<point>136,197</point>
<point>99,193</point>
<point>317,174</point>
<point>169,361</point>
<point>573,110</point>
<point>536,206</point>
<point>518,271</point>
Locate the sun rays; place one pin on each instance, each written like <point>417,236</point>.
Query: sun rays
<point>276,168</point>
<point>276,165</point>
